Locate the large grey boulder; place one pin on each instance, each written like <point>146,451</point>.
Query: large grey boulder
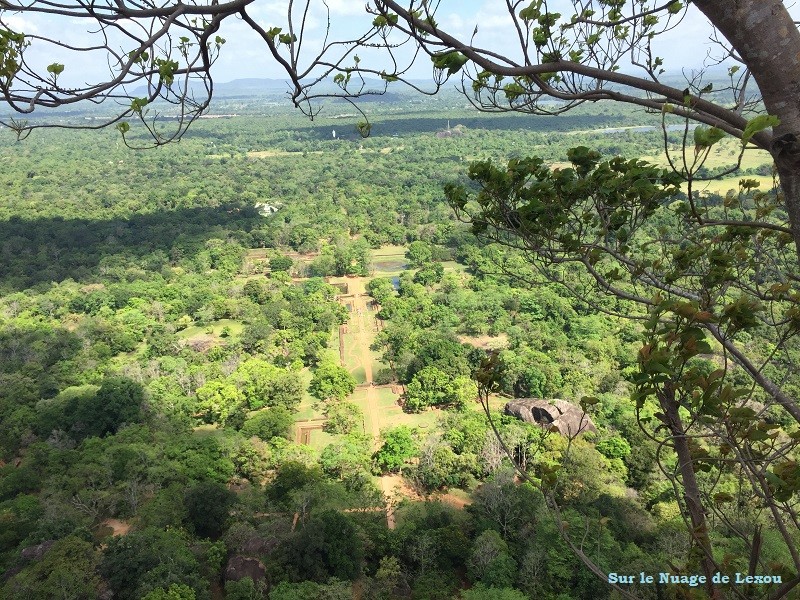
<point>37,552</point>
<point>555,415</point>
<point>240,567</point>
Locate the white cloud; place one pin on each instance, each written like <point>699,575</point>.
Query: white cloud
<point>20,24</point>
<point>453,23</point>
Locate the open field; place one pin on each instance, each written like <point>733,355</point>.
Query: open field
<point>723,186</point>
<point>306,410</point>
<point>722,155</point>
<point>388,250</point>
<point>388,260</point>
<point>488,342</point>
<point>310,433</point>
<point>213,334</point>
<point>277,153</point>
<point>213,328</point>
<point>209,430</point>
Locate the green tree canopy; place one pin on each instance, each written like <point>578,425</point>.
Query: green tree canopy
<point>397,449</point>
<point>118,401</point>
<point>280,263</point>
<point>144,561</point>
<point>330,381</point>
<point>343,417</point>
<point>264,384</point>
<point>220,402</point>
<point>208,506</point>
<point>419,254</point>
<point>334,589</point>
<point>67,570</point>
<point>433,387</point>
<point>482,592</point>
<point>177,591</point>
<point>328,546</point>
<point>269,423</point>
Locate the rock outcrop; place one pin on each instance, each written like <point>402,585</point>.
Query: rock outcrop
<point>37,552</point>
<point>240,567</point>
<point>558,415</point>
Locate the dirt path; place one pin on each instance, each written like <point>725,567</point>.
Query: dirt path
<point>360,305</point>
<point>366,362</point>
<point>374,411</point>
<point>363,326</point>
<point>117,527</point>
<point>453,500</point>
<point>394,489</point>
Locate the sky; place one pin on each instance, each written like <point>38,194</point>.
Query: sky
<point>244,55</point>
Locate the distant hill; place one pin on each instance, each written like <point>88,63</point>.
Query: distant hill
<point>237,87</point>
<point>251,86</point>
<point>271,87</point>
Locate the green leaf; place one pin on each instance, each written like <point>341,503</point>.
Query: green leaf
<point>549,19</point>
<point>675,8</point>
<point>575,55</point>
<point>143,57</point>
<point>166,70</point>
<point>513,91</point>
<point>749,184</point>
<point>742,413</point>
<point>588,401</point>
<point>363,128</point>
<point>759,123</point>
<point>55,69</point>
<point>381,21</point>
<point>11,47</point>
<point>123,127</point>
<point>137,104</point>
<point>705,137</point>
<point>452,61</point>
<point>531,12</point>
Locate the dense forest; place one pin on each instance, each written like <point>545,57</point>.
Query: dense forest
<point>244,366</point>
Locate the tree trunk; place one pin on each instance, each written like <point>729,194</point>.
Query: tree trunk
<point>691,490</point>
<point>764,35</point>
